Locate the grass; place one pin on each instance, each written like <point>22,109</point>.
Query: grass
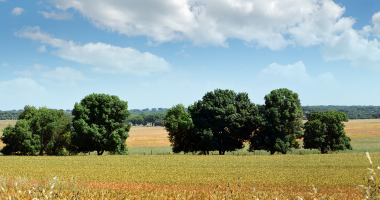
<point>167,176</point>
<point>290,175</point>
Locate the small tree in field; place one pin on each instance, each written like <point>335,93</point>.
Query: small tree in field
<point>99,124</point>
<point>281,123</point>
<point>325,131</point>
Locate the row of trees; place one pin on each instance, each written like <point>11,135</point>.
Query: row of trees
<point>153,119</point>
<point>223,121</point>
<point>98,125</point>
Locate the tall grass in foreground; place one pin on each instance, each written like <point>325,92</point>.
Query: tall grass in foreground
<point>22,188</point>
<point>371,184</point>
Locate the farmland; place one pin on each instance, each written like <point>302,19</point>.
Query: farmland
<point>199,177</point>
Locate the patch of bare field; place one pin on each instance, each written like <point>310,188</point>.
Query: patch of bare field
<point>3,124</point>
<point>363,128</point>
<point>148,136</point>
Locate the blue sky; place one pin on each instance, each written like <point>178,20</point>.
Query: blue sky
<point>160,53</point>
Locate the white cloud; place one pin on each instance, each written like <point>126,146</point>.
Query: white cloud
<point>64,74</point>
<point>316,89</point>
<point>25,73</point>
<point>104,57</point>
<point>272,24</point>
<point>376,24</point>
<point>184,53</point>
<point>294,76</point>
<point>42,49</point>
<point>56,16</point>
<point>24,91</point>
<point>17,11</point>
<point>5,65</point>
<point>40,67</point>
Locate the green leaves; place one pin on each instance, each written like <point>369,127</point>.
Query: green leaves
<point>325,131</point>
<point>38,132</point>
<point>99,124</point>
<point>281,122</point>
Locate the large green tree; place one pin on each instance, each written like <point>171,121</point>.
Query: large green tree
<point>42,131</point>
<point>325,131</point>
<point>282,123</point>
<point>99,124</point>
<point>230,117</point>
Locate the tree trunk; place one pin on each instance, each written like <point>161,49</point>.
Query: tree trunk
<point>272,152</point>
<point>100,152</point>
<point>41,152</point>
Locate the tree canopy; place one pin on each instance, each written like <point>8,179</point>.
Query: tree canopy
<point>325,131</point>
<point>281,123</point>
<point>99,124</point>
<point>229,117</point>
<point>37,132</point>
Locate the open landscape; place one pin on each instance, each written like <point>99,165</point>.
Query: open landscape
<point>178,176</point>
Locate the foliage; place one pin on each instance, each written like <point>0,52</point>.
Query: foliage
<point>282,123</point>
<point>144,119</point>
<point>325,131</point>
<point>352,112</point>
<point>99,124</point>
<point>230,117</point>
<point>180,128</point>
<point>37,131</point>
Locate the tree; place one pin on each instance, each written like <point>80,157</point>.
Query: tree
<point>38,132</point>
<point>99,124</point>
<point>183,135</point>
<point>282,123</point>
<point>325,131</point>
<point>230,117</point>
<point>159,122</point>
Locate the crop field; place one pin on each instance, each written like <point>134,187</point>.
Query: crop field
<point>144,176</point>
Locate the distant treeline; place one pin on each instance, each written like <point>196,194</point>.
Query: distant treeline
<point>145,116</point>
<point>13,115</point>
<point>352,112</point>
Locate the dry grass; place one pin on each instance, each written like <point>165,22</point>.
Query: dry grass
<point>363,128</point>
<point>148,136</point>
<point>289,175</point>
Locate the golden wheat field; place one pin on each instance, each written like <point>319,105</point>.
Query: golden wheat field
<point>334,176</point>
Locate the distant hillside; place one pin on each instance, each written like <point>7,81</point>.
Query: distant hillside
<point>353,112</point>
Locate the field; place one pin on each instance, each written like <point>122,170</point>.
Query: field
<point>144,176</point>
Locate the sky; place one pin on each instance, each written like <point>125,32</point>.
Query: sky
<point>156,54</point>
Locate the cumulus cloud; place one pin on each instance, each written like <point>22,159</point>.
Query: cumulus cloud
<point>272,24</point>
<point>56,16</point>
<point>103,57</point>
<point>23,91</point>
<point>256,22</point>
<point>42,49</point>
<point>17,11</point>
